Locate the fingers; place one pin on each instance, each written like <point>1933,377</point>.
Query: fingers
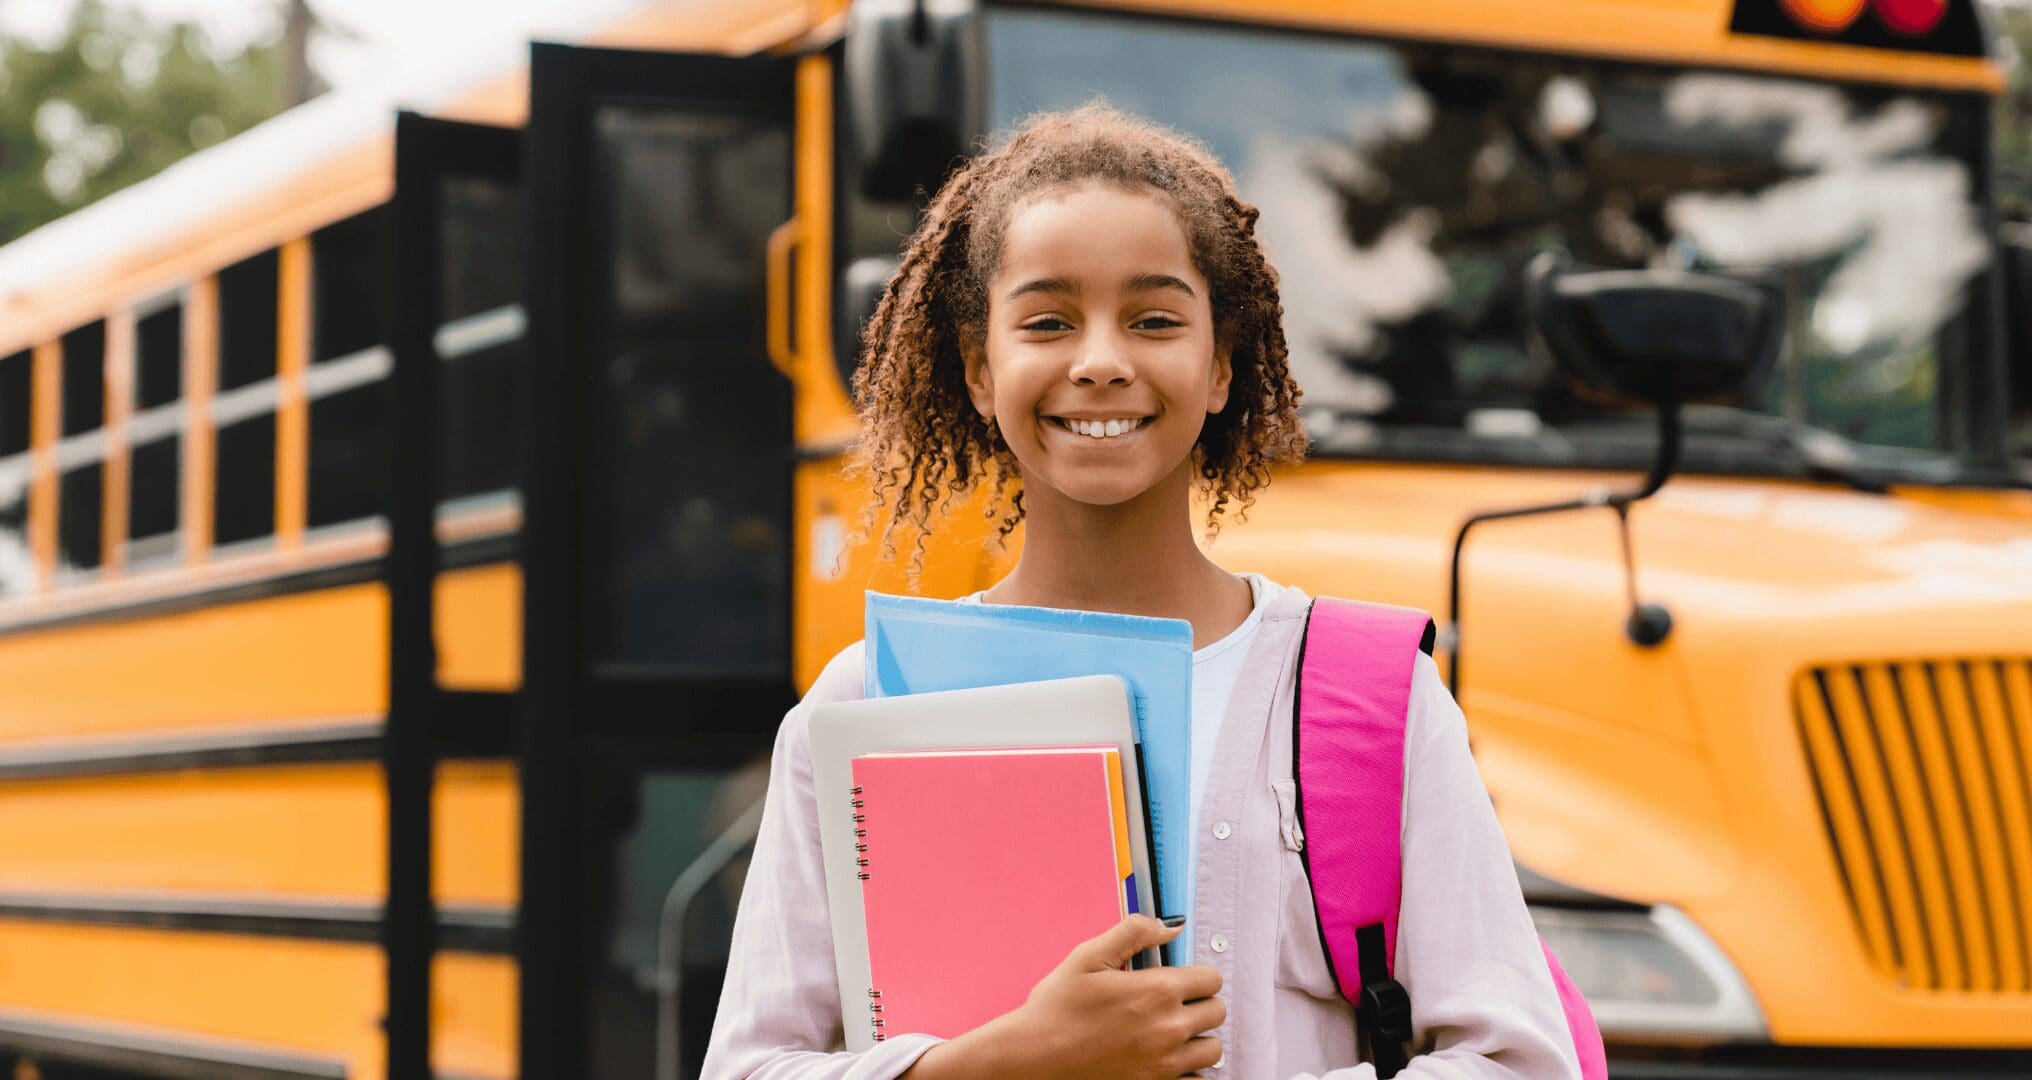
<point>1120,944</point>
<point>1195,982</point>
<point>1205,1014</point>
<point>1197,1055</point>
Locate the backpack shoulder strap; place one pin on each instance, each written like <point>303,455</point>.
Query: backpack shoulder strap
<point>1354,688</point>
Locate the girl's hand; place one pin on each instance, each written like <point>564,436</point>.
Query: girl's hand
<point>1089,1018</point>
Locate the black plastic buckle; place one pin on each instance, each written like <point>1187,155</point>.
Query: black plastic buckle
<point>1386,1005</point>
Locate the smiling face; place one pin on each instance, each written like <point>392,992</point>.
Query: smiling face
<point>1099,361</point>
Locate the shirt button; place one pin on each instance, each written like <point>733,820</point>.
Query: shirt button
<point>1221,830</point>
<point>1219,943</point>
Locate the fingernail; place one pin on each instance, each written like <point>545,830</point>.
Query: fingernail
<point>1172,922</point>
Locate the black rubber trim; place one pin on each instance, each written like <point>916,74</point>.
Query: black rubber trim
<point>461,928</point>
<point>155,1054</point>
<point>357,740</point>
<point>480,551</point>
<point>466,724</point>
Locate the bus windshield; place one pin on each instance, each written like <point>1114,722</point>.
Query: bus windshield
<point>1404,187</point>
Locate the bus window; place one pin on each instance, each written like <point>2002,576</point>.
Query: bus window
<point>14,391</point>
<point>80,496</point>
<point>158,356</point>
<point>243,492</point>
<point>694,461</point>
<point>348,280</point>
<point>247,321</point>
<point>348,383</point>
<point>81,454</point>
<point>155,433</point>
<point>243,497</point>
<point>480,340</point>
<point>84,379</point>
<point>17,567</point>
<point>348,454</point>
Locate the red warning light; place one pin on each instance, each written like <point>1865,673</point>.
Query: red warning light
<point>1936,27</point>
<point>1825,16</point>
<point>1911,17</point>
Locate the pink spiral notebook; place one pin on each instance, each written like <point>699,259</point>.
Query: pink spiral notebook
<point>979,871</point>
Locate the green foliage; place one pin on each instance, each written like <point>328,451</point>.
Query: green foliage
<point>117,99</point>
<point>2013,115</point>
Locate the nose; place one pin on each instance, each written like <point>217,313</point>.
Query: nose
<point>1103,360</point>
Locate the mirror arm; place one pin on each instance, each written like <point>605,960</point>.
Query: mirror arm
<point>1648,624</point>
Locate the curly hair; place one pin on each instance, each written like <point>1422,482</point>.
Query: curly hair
<point>921,438</point>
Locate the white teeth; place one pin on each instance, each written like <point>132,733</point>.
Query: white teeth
<point>1103,429</point>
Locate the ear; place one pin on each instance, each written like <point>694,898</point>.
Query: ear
<point>1224,374</point>
<point>980,379</point>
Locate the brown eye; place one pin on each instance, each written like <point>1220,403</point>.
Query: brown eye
<point>1047,323</point>
<point>1155,322</point>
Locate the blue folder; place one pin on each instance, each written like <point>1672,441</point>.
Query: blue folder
<point>917,645</point>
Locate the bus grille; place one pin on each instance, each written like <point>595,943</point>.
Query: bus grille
<point>1924,774</point>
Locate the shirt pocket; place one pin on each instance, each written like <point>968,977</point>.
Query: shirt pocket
<point>1301,959</point>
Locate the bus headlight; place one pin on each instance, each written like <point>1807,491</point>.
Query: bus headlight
<point>1651,975</point>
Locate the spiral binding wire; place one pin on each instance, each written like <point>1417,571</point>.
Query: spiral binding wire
<point>860,834</point>
<point>861,860</point>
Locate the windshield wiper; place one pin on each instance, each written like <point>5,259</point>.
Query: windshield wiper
<point>1826,454</point>
<point>1814,452</point>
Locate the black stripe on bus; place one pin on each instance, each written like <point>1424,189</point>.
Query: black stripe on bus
<point>353,740</point>
<point>467,553</point>
<point>468,724</point>
<point>470,928</point>
<point>155,1054</point>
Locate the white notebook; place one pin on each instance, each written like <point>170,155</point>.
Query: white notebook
<point>1085,711</point>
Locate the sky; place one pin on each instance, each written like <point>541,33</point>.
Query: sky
<point>388,36</point>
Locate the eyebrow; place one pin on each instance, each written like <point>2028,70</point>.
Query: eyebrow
<point>1066,286</point>
<point>1150,282</point>
<point>1144,282</point>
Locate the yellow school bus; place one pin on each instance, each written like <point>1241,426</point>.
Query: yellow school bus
<point>417,513</point>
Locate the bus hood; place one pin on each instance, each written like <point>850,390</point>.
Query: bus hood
<point>1721,771</point>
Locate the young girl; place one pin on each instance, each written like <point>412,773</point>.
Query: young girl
<point>1085,312</point>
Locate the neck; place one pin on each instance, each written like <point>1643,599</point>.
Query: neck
<point>1134,558</point>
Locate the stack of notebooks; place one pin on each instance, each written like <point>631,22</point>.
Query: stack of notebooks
<point>980,819</point>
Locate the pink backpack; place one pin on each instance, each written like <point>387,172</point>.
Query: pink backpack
<point>1354,686</point>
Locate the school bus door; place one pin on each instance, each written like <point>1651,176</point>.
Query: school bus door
<point>657,539</point>
<point>455,299</point>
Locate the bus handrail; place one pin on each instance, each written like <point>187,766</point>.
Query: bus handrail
<point>670,928</point>
<point>782,352</point>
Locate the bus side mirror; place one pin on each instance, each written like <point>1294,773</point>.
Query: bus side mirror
<point>2014,247</point>
<point>914,87</point>
<point>1660,336</point>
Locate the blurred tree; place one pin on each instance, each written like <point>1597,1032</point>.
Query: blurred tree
<point>118,97</point>
<point>2013,116</point>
